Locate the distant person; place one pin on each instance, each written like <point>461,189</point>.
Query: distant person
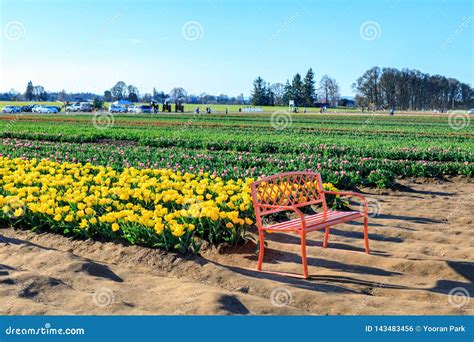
<point>227,110</point>
<point>392,111</point>
<point>321,110</point>
<point>240,110</point>
<point>304,110</point>
<point>196,110</point>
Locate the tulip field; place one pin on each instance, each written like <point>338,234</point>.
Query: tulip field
<point>173,181</point>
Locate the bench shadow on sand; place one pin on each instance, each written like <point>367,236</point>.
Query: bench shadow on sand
<point>317,283</point>
<point>273,256</point>
<point>345,284</point>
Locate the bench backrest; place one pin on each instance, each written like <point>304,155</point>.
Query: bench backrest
<point>294,189</point>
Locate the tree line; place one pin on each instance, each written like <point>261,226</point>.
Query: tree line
<point>121,91</point>
<point>377,88</point>
<point>302,91</point>
<point>409,89</point>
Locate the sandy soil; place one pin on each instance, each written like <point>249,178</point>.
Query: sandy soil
<point>422,245</point>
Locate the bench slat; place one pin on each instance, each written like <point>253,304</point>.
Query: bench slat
<point>317,221</point>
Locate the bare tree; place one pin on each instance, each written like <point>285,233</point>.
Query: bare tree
<point>334,93</point>
<point>412,90</point>
<point>119,91</point>
<point>178,94</point>
<point>328,90</point>
<point>278,90</point>
<point>368,87</point>
<point>39,93</point>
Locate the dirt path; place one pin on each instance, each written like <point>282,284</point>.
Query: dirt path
<point>422,244</point>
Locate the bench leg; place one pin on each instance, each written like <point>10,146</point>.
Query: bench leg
<point>303,255</point>
<point>261,251</point>
<point>366,234</point>
<point>326,237</point>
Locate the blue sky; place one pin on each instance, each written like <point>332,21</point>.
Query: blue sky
<point>221,46</point>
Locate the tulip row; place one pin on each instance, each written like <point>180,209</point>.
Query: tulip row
<point>152,207</point>
<point>338,165</point>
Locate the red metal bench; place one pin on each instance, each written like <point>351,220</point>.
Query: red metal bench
<point>291,191</point>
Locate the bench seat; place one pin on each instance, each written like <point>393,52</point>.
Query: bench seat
<point>316,221</point>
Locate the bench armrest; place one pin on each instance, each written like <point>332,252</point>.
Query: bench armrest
<point>287,207</point>
<point>351,194</point>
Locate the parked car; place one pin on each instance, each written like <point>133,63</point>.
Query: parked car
<point>471,111</point>
<point>80,107</point>
<point>54,109</point>
<point>75,107</point>
<point>145,109</point>
<point>117,109</point>
<point>11,109</point>
<point>87,107</point>
<point>44,109</point>
<point>139,109</point>
<point>27,109</point>
<point>38,109</point>
<point>133,109</point>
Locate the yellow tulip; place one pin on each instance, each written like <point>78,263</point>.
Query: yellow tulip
<point>18,212</point>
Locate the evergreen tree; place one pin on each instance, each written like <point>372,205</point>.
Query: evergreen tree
<point>29,93</point>
<point>269,96</point>
<point>309,93</point>
<point>287,93</point>
<point>297,90</point>
<point>258,92</point>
